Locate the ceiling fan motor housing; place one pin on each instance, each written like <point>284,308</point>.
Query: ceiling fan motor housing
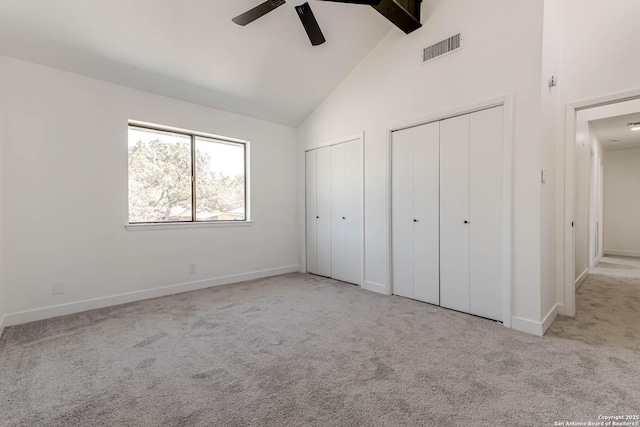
<point>405,14</point>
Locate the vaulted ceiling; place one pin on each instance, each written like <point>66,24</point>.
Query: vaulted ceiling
<point>191,50</point>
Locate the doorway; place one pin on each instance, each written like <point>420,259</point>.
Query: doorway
<point>600,179</point>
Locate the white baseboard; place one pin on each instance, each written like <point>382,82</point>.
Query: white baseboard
<point>76,307</point>
<point>580,280</point>
<point>621,253</point>
<point>535,328</point>
<point>2,320</point>
<point>376,287</point>
<point>550,317</point>
<point>562,310</point>
<point>527,326</point>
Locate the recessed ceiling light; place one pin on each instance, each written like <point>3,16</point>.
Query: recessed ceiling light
<point>614,140</point>
<point>634,126</point>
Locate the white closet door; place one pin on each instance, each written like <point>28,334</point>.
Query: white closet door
<point>310,190</point>
<point>486,214</point>
<point>426,231</point>
<point>354,270</point>
<point>402,211</point>
<point>323,211</point>
<point>454,213</point>
<point>338,212</point>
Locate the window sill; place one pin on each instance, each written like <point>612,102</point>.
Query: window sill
<point>184,225</point>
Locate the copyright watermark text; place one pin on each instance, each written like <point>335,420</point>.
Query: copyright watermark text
<point>616,420</point>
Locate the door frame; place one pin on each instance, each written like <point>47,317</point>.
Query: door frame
<point>568,307</point>
<point>337,141</point>
<point>591,249</point>
<point>506,102</point>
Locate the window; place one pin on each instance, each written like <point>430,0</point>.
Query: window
<point>177,176</point>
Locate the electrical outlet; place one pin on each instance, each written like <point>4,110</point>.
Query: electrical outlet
<point>193,268</point>
<point>58,287</point>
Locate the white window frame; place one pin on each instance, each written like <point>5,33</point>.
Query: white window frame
<point>175,225</point>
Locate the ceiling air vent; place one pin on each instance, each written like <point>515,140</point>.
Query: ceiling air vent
<point>445,47</point>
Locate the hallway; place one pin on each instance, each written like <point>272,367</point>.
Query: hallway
<point>607,306</point>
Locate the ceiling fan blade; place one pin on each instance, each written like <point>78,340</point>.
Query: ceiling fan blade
<point>258,12</point>
<point>369,2</point>
<point>310,24</point>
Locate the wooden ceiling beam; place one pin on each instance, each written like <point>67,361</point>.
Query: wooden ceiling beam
<point>404,14</point>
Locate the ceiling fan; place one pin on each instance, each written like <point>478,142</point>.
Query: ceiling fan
<point>404,13</point>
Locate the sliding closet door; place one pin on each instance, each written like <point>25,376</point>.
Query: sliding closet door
<point>323,211</point>
<point>426,212</point>
<point>311,195</point>
<point>486,203</point>
<point>454,213</point>
<point>354,203</point>
<point>402,165</point>
<point>338,212</point>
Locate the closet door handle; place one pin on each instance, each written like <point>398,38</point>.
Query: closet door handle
<point>344,217</point>
<point>317,217</point>
<point>466,222</point>
<point>415,220</point>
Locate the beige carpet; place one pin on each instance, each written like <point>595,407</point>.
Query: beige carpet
<point>607,307</point>
<point>298,350</point>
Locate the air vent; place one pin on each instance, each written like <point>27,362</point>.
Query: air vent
<point>445,47</point>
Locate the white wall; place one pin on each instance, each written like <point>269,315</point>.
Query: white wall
<point>598,63</point>
<point>594,64</point>
<point>2,289</point>
<point>588,156</point>
<point>65,206</point>
<point>392,87</point>
<point>582,155</point>
<point>549,127</point>
<point>621,202</point>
